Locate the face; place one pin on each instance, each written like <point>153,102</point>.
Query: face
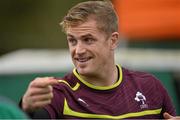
<point>91,50</point>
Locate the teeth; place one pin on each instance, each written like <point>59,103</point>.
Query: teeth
<point>82,59</point>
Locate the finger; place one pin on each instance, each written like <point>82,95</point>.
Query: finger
<point>42,97</point>
<point>38,91</point>
<point>43,82</point>
<point>30,103</point>
<point>41,104</point>
<point>167,115</point>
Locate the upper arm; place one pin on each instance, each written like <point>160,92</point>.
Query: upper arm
<point>167,102</point>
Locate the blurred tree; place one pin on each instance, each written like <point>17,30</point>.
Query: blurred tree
<point>32,24</point>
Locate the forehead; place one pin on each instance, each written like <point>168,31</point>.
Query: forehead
<point>87,28</point>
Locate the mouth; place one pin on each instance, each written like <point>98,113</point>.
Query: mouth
<point>83,60</point>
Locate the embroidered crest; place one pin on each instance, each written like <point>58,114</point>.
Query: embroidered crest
<point>141,98</point>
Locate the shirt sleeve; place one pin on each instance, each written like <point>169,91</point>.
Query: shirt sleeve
<point>40,114</point>
<point>167,102</point>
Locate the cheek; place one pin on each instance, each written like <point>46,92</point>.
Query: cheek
<point>105,51</point>
<point>71,50</point>
<point>104,48</point>
<point>101,52</point>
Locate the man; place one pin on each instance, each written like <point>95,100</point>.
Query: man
<point>97,87</point>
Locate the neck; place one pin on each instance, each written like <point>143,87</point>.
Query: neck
<point>107,77</point>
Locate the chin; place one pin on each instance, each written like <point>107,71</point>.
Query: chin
<point>83,70</point>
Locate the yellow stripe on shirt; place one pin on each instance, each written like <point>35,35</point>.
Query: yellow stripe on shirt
<point>70,112</point>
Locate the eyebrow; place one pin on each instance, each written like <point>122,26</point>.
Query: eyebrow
<point>87,35</point>
<point>83,36</point>
<point>69,35</point>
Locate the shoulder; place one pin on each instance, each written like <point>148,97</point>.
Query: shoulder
<point>146,83</point>
<point>141,79</point>
<point>138,75</point>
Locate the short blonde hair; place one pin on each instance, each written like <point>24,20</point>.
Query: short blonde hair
<point>102,11</point>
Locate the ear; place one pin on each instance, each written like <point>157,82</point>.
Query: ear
<point>114,40</point>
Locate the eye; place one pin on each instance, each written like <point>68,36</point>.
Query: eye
<point>72,41</point>
<point>89,40</point>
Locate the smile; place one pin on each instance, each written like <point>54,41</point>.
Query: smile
<point>83,59</point>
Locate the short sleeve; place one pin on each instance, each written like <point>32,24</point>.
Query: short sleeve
<point>167,102</point>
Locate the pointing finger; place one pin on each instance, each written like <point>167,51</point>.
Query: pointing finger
<point>43,82</point>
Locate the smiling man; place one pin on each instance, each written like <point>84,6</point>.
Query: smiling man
<point>97,87</point>
<point>93,52</point>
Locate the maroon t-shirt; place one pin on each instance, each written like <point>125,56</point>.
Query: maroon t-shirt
<point>135,95</point>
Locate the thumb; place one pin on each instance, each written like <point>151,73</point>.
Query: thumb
<point>167,116</point>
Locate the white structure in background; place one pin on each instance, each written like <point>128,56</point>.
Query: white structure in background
<point>33,60</point>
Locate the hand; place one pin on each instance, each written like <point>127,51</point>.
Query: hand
<point>170,117</point>
<point>38,94</point>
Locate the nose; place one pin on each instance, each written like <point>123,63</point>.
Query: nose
<point>80,48</point>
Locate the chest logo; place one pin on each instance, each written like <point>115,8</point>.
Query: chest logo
<point>82,101</point>
<point>140,98</point>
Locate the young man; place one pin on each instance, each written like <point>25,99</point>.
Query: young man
<point>97,87</point>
